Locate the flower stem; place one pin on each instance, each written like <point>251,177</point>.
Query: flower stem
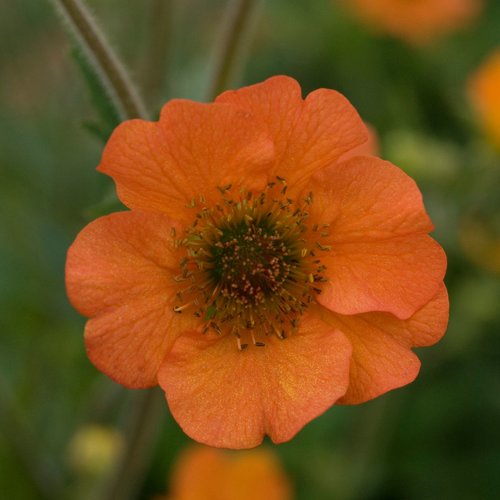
<point>108,67</point>
<point>140,439</point>
<point>45,474</point>
<point>236,20</point>
<point>156,58</point>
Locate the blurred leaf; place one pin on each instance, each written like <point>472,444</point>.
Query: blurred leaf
<point>108,115</point>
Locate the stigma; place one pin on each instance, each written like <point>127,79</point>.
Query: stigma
<point>252,263</point>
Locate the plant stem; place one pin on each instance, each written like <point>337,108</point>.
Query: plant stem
<point>142,432</point>
<point>110,70</point>
<point>45,474</point>
<point>236,20</point>
<point>156,66</point>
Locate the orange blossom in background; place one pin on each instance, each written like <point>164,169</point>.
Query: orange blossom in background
<point>484,89</point>
<point>417,22</point>
<point>256,278</point>
<point>203,473</point>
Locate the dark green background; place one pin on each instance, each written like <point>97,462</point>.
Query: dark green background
<point>438,438</point>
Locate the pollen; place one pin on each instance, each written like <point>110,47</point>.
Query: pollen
<point>251,265</point>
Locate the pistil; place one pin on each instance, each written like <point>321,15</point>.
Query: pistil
<point>251,267</point>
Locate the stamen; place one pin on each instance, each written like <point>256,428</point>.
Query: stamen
<point>179,309</point>
<point>252,270</point>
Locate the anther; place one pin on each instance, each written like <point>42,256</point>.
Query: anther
<point>179,309</point>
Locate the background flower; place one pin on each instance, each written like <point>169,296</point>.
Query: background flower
<point>202,473</point>
<point>484,90</point>
<point>415,21</point>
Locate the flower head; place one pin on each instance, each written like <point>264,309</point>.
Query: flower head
<point>262,273</point>
<point>417,22</point>
<point>203,473</point>
<point>484,89</point>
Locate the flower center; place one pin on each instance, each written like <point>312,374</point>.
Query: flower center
<point>250,266</point>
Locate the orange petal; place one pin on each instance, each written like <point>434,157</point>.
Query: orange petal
<point>369,148</point>
<point>308,134</point>
<point>397,275</point>
<point>256,474</point>
<point>381,358</point>
<point>120,272</point>
<point>229,398</point>
<point>424,328</point>
<point>211,474</point>
<point>366,199</point>
<point>416,22</point>
<point>162,166</point>
<point>198,473</point>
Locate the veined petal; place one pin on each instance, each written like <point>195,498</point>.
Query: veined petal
<point>128,343</point>
<point>381,357</point>
<point>369,148</point>
<point>276,103</point>
<point>397,275</point>
<point>229,398</point>
<point>119,272</point>
<point>308,134</point>
<point>194,148</point>
<point>424,328</point>
<point>366,199</point>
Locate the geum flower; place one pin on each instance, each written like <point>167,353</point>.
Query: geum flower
<point>417,22</point>
<point>258,278</point>
<point>203,473</point>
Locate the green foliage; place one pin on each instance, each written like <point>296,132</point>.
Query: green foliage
<point>434,439</point>
<point>108,115</point>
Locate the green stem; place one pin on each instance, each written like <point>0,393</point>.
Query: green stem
<point>141,437</point>
<point>45,474</point>
<point>156,65</point>
<point>108,67</point>
<point>237,18</point>
<point>363,451</point>
<point>143,427</point>
<point>148,405</point>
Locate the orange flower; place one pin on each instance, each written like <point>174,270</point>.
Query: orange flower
<point>484,88</point>
<point>204,473</point>
<point>257,279</point>
<point>417,22</point>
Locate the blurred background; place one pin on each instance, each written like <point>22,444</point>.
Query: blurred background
<point>63,423</point>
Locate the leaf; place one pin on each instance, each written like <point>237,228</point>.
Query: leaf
<point>109,116</point>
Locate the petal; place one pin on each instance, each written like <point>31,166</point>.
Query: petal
<point>398,275</point>
<point>308,134</point>
<point>369,148</point>
<point>256,474</point>
<point>424,328</point>
<point>381,357</point>
<point>129,343</point>
<point>229,398</point>
<point>366,199</point>
<point>119,272</point>
<point>199,472</point>
<point>209,473</point>
<point>194,148</point>
<point>276,103</point>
